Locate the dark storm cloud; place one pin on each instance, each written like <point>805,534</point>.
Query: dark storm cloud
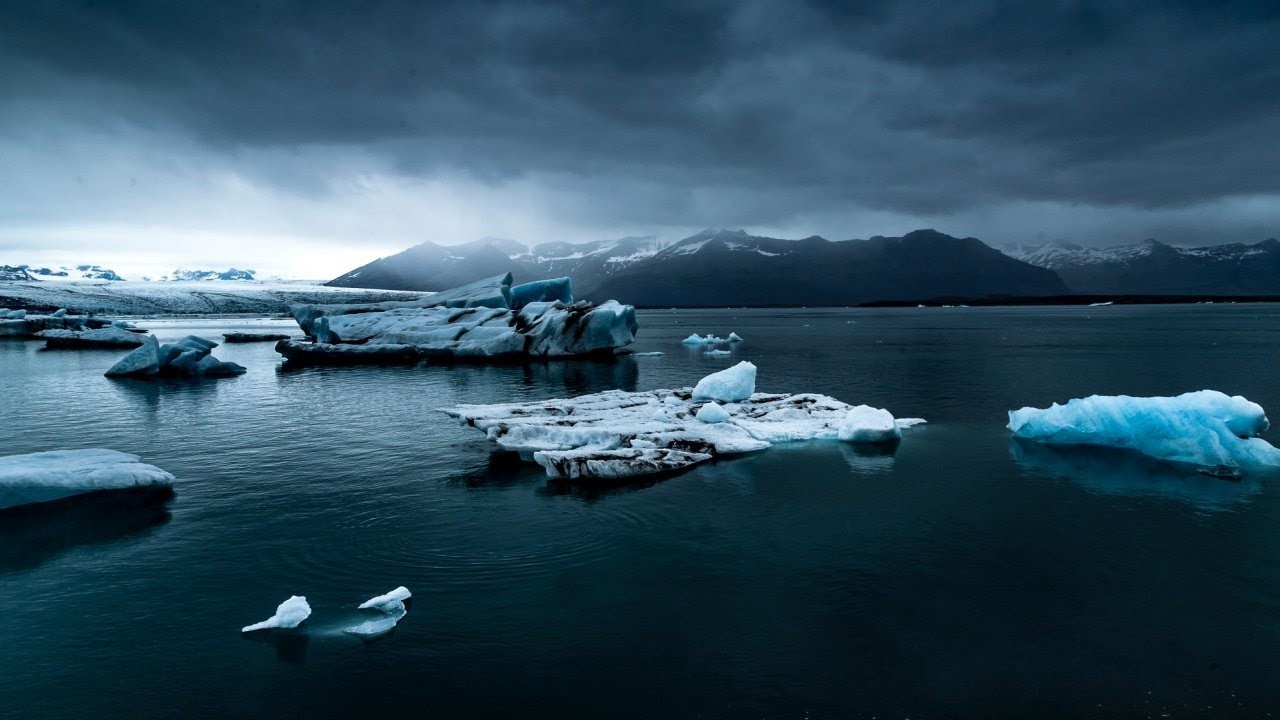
<point>729,112</point>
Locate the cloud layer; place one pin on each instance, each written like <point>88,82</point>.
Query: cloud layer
<point>309,137</point>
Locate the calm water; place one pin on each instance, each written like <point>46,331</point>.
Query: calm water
<point>963,576</point>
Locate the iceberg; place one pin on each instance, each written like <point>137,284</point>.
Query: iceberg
<point>289,614</point>
<point>391,605</point>
<point>619,434</point>
<point>487,320</point>
<point>735,337</point>
<point>1205,428</point>
<point>21,324</point>
<point>188,356</point>
<point>729,385</point>
<point>248,337</point>
<point>388,602</point>
<point>708,339</point>
<point>107,337</point>
<point>869,425</point>
<point>57,474</point>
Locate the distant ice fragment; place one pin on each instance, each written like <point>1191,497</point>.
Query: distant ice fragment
<point>1101,304</point>
<point>718,353</point>
<point>869,425</point>
<point>58,474</point>
<point>289,614</point>
<point>730,385</point>
<point>107,337</point>
<point>712,412</point>
<point>1205,428</point>
<point>735,337</point>
<point>708,339</point>
<point>388,601</point>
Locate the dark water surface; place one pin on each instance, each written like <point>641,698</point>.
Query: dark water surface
<point>963,576</point>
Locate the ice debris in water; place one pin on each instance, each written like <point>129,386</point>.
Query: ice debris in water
<point>107,337</point>
<point>735,337</point>
<point>708,339</point>
<point>390,605</point>
<point>483,320</point>
<point>57,474</point>
<point>188,356</point>
<point>289,614</point>
<point>388,602</point>
<point>729,385</point>
<point>617,434</point>
<point>1205,428</point>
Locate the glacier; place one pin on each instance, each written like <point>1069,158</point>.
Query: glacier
<point>58,474</point>
<point>620,434</point>
<point>1205,428</point>
<point>485,320</point>
<point>289,614</point>
<point>189,356</point>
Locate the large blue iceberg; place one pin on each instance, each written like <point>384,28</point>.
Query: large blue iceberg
<point>1205,428</point>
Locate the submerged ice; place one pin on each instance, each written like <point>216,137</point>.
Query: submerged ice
<point>1205,428</point>
<point>58,474</point>
<point>616,434</point>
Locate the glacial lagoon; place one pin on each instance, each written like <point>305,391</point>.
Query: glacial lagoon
<point>959,573</point>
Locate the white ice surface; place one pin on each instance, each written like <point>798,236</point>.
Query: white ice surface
<point>729,385</point>
<point>289,614</point>
<point>1205,428</point>
<point>387,602</point>
<point>870,425</point>
<point>57,474</point>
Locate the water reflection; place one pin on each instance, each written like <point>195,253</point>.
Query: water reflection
<point>866,459</point>
<point>290,645</point>
<point>1119,472</point>
<point>32,534</point>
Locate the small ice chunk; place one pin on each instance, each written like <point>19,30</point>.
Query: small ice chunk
<point>735,337</point>
<point>905,423</point>
<point>377,626</point>
<point>289,614</point>
<point>865,424</point>
<point>730,385</point>
<point>717,353</point>
<point>388,601</point>
<point>60,312</point>
<point>58,474</point>
<point>712,412</point>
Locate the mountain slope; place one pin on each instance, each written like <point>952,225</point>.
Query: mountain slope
<point>727,267</point>
<point>1154,268</point>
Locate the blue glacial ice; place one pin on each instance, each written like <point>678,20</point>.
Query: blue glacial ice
<point>189,356</point>
<point>1205,428</point>
<point>729,385</point>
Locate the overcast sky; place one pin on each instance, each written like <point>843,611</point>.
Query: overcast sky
<point>306,138</point>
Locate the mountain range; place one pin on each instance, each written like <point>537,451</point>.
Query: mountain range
<point>726,267</point>
<point>1154,268</point>
<point>89,273</point>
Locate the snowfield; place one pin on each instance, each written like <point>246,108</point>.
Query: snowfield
<point>182,298</point>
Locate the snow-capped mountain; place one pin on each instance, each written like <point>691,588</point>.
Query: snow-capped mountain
<point>190,275</point>
<point>1154,268</point>
<point>57,274</point>
<point>720,267</point>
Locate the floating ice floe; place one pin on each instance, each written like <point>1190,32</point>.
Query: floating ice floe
<point>58,474</point>
<point>248,337</point>
<point>22,324</point>
<point>107,337</point>
<point>734,337</point>
<point>708,339</point>
<point>1101,304</point>
<point>189,356</point>
<point>392,609</point>
<point>617,434</point>
<point>647,354</point>
<point>1205,428</point>
<point>718,353</point>
<point>488,319</point>
<point>289,614</point>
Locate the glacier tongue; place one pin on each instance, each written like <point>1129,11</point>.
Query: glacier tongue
<point>1205,428</point>
<point>484,320</point>
<point>616,434</point>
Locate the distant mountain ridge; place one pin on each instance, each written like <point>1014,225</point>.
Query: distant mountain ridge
<point>720,267</point>
<point>1155,268</point>
<point>57,274</point>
